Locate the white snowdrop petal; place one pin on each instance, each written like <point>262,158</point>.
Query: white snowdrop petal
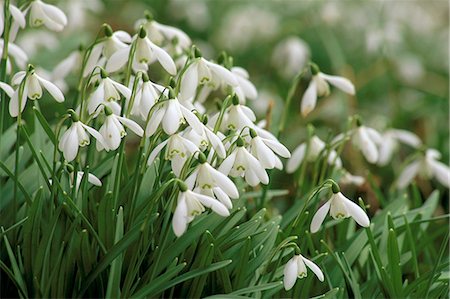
<point>441,171</point>
<point>290,274</point>
<point>155,152</point>
<point>222,197</point>
<point>171,120</point>
<point>165,60</point>
<point>218,207</point>
<point>228,163</point>
<point>55,13</point>
<point>17,15</point>
<point>367,146</point>
<point>94,133</point>
<point>309,99</point>
<point>192,120</point>
<point>94,180</point>
<point>63,68</point>
<point>356,212</point>
<point>224,182</point>
<point>93,59</point>
<point>223,73</point>
<point>18,77</point>
<point>7,89</point>
<point>155,119</point>
<point>311,265</point>
<point>340,82</point>
<point>132,125</point>
<point>70,149</point>
<point>278,148</point>
<point>52,89</point>
<point>117,60</point>
<point>319,217</point>
<point>189,82</point>
<point>179,220</point>
<point>296,158</point>
<point>406,137</point>
<point>408,175</point>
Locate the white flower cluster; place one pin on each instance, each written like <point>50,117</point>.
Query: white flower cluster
<point>206,148</point>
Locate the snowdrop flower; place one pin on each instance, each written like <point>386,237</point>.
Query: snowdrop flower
<point>296,268</point>
<point>146,53</point>
<point>160,33</point>
<point>319,87</point>
<point>264,150</point>
<point>91,179</point>
<point>202,71</point>
<point>241,163</point>
<point>46,14</point>
<point>15,52</point>
<point>78,12</point>
<point>212,182</point>
<point>171,114</point>
<point>77,136</point>
<point>107,93</point>
<point>339,207</point>
<point>32,89</point>
<point>315,147</point>
<point>178,150</point>
<point>191,204</point>
<point>290,56</point>
<point>113,131</point>
<point>244,89</point>
<point>113,42</point>
<point>236,117</point>
<point>426,166</point>
<point>17,16</point>
<point>205,139</point>
<point>391,138</point>
<point>146,96</point>
<point>367,141</point>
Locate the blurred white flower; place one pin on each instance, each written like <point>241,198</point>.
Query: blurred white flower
<point>202,71</point>
<point>32,89</point>
<point>425,166</point>
<point>77,136</point>
<point>391,138</point>
<point>171,114</point>
<point>240,163</point>
<point>247,25</point>
<point>178,150</point>
<point>339,207</point>
<point>146,53</point>
<point>113,131</point>
<point>349,179</point>
<point>319,87</point>
<point>367,140</point>
<point>46,14</point>
<point>78,12</point>
<point>16,53</point>
<point>107,93</point>
<point>33,41</point>
<point>315,147</point>
<point>196,13</point>
<point>67,65</point>
<point>296,268</point>
<point>191,204</point>
<point>290,56</point>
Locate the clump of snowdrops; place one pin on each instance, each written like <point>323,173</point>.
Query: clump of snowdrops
<point>156,181</point>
